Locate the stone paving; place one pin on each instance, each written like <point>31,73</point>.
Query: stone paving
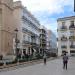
<point>53,67</point>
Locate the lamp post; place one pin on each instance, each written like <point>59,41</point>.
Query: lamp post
<point>16,41</point>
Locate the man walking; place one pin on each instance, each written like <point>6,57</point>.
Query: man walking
<point>65,61</point>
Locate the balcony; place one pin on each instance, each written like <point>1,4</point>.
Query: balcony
<point>72,27</point>
<point>42,38</point>
<point>43,45</point>
<point>43,41</point>
<point>63,46</point>
<point>64,51</point>
<point>63,38</point>
<point>17,40</point>
<point>43,31</point>
<point>63,28</point>
<point>72,46</point>
<point>72,38</point>
<point>42,34</point>
<point>32,43</point>
<point>24,42</point>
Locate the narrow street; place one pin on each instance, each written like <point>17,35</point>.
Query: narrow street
<point>53,67</point>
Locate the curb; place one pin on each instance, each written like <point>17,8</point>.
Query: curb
<point>23,64</point>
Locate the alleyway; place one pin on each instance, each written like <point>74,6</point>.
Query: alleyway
<point>53,67</point>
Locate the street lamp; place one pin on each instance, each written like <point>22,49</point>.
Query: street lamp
<point>16,41</point>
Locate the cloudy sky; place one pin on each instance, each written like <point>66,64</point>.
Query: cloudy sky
<point>48,11</point>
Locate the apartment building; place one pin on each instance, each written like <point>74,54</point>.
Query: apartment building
<point>20,30</point>
<point>48,39</point>
<point>51,42</point>
<point>43,41</point>
<point>66,35</point>
<point>28,29</point>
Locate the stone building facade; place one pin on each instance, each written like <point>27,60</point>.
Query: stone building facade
<point>66,35</point>
<point>6,27</point>
<point>28,29</point>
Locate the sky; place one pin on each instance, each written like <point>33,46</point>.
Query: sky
<point>48,11</point>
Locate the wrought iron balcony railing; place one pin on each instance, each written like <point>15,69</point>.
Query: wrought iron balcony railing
<point>72,27</point>
<point>24,42</point>
<point>64,51</point>
<point>17,40</point>
<point>63,28</point>
<point>35,44</point>
<point>32,43</point>
<point>63,38</point>
<point>72,46</point>
<point>72,38</point>
<point>63,46</point>
<point>42,37</point>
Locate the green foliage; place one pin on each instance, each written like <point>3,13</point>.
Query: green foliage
<point>39,56</point>
<point>53,55</point>
<point>12,62</point>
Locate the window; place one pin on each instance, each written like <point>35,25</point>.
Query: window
<point>24,36</point>
<point>71,42</point>
<point>64,51</point>
<point>63,26</point>
<point>72,51</point>
<point>63,23</point>
<point>63,46</point>
<point>72,23</point>
<point>71,33</point>
<point>29,38</point>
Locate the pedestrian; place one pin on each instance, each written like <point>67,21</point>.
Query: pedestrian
<point>27,57</point>
<point>65,61</point>
<point>44,57</point>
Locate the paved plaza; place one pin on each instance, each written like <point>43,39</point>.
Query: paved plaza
<point>53,67</point>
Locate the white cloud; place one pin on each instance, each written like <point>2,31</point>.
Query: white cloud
<point>42,9</point>
<point>52,6</point>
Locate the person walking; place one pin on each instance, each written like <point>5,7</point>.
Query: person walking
<point>44,57</point>
<point>65,61</point>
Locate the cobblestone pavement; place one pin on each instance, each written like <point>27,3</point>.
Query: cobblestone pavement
<point>53,67</point>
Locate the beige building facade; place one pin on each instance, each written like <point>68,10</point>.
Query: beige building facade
<point>66,35</point>
<point>31,37</point>
<point>13,15</point>
<point>6,27</point>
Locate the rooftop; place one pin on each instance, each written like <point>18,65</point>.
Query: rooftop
<point>66,18</point>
